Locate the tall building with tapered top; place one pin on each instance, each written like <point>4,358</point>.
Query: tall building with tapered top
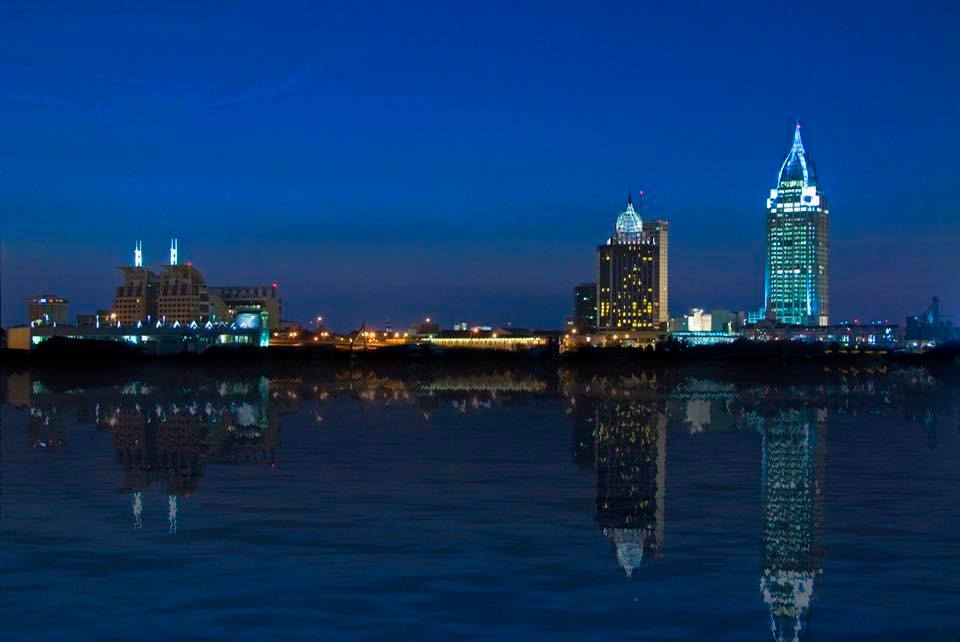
<point>796,273</point>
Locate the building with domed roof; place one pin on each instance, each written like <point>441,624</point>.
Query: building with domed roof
<point>796,268</point>
<point>632,274</point>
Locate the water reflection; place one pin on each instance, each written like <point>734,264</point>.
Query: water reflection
<point>793,464</point>
<point>630,463</point>
<point>166,428</point>
<point>164,433</point>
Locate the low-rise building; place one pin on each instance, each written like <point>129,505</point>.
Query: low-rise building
<point>511,339</point>
<point>853,335</point>
<point>585,307</point>
<point>928,329</point>
<point>47,309</point>
<point>250,298</point>
<point>153,338</point>
<point>612,339</point>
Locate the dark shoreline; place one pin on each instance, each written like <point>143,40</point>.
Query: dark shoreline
<point>72,358</point>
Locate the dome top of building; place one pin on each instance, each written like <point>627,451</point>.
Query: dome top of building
<point>629,224</point>
<point>798,165</point>
<point>629,544</point>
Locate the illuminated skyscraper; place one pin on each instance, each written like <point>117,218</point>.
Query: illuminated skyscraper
<point>628,276</point>
<point>796,273</point>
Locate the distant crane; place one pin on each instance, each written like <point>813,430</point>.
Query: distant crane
<point>362,332</point>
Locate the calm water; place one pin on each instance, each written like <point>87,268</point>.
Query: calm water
<point>480,503</point>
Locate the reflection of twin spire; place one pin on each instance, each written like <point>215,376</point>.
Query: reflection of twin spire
<point>137,500</point>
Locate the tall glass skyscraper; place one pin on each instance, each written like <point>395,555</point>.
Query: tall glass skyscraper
<point>796,279</point>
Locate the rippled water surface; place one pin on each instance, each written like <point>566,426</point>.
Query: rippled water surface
<point>480,502</point>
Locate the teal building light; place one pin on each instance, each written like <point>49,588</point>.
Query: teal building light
<point>796,269</point>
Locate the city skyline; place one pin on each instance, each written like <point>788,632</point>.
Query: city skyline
<point>371,179</point>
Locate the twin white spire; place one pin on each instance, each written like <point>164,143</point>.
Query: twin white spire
<point>138,253</point>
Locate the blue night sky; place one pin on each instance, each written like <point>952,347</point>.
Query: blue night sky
<point>463,160</point>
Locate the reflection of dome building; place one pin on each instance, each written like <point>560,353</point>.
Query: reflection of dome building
<point>630,464</point>
<point>792,504</point>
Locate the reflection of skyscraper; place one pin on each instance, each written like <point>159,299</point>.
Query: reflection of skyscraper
<point>792,505</point>
<point>583,414</point>
<point>630,464</point>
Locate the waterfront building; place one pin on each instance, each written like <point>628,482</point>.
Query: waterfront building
<point>704,337</point>
<point>722,320</point>
<point>929,328</point>
<point>796,270</point>
<point>47,309</point>
<point>250,298</point>
<point>659,230</point>
<point>717,320</point>
<point>136,299</point>
<point>154,338</point>
<point>508,339</point>
<point>180,293</point>
<point>183,296</point>
<point>628,274</point>
<point>102,317</point>
<point>699,321</point>
<point>635,339</point>
<point>878,335</point>
<point>585,306</point>
<point>755,316</point>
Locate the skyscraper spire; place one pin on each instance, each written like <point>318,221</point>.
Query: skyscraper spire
<point>796,274</point>
<point>173,251</point>
<point>797,141</point>
<point>797,164</point>
<point>138,255</point>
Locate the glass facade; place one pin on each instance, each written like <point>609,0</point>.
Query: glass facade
<point>796,272</point>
